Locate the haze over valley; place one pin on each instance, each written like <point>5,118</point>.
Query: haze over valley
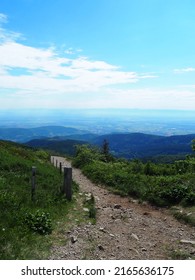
<point>104,121</point>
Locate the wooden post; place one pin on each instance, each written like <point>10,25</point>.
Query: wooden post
<point>60,168</point>
<point>67,188</point>
<point>56,163</point>
<point>33,183</point>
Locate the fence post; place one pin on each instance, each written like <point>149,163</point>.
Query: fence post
<point>67,187</point>
<point>33,183</point>
<point>56,163</point>
<point>60,167</point>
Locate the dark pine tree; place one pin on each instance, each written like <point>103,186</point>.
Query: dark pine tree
<point>106,150</point>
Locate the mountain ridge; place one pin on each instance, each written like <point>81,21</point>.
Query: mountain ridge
<point>127,145</point>
<point>140,145</point>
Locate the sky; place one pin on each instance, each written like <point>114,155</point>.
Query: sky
<point>97,54</point>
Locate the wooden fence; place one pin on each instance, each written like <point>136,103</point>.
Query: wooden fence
<point>67,178</point>
<point>67,171</point>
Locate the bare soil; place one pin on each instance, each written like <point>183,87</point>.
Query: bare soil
<point>124,229</point>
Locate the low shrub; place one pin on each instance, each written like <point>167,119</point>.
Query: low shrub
<point>39,222</point>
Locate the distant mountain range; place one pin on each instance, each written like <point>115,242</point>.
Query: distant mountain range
<point>128,145</point>
<point>23,135</point>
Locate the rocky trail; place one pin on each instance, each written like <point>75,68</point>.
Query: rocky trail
<point>124,229</point>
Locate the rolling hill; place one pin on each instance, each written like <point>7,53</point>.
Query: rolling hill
<point>129,145</point>
<point>56,145</point>
<point>139,145</point>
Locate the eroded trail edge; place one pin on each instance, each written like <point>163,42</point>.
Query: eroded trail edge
<point>124,229</point>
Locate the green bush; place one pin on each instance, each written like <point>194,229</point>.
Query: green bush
<point>85,154</point>
<point>39,222</point>
<point>189,199</point>
<point>42,155</point>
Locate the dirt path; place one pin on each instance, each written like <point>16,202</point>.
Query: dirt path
<point>124,229</point>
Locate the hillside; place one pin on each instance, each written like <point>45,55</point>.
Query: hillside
<point>26,223</point>
<point>126,145</point>
<point>56,145</point>
<point>139,145</point>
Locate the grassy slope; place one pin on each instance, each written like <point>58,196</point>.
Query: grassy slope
<point>17,240</point>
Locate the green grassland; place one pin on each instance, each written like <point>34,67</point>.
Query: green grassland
<point>25,225</point>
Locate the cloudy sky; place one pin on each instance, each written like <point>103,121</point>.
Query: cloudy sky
<point>97,54</point>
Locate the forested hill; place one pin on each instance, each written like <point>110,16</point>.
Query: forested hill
<point>66,146</point>
<point>139,145</point>
<point>129,145</point>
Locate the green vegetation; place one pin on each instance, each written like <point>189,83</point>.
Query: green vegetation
<point>184,214</point>
<point>89,203</point>
<point>160,184</point>
<point>26,225</point>
<point>147,147</point>
<point>179,255</point>
<point>39,222</point>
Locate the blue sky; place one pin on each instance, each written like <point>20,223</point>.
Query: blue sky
<point>97,54</point>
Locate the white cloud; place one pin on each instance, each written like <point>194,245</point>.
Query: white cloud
<point>147,98</point>
<point>7,35</point>
<point>49,79</point>
<point>31,76</point>
<point>84,63</point>
<point>184,70</point>
<point>49,71</point>
<point>152,98</point>
<point>3,18</point>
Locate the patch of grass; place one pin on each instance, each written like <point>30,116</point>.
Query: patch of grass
<point>75,216</point>
<point>89,203</point>
<point>184,214</point>
<point>39,222</point>
<point>180,255</point>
